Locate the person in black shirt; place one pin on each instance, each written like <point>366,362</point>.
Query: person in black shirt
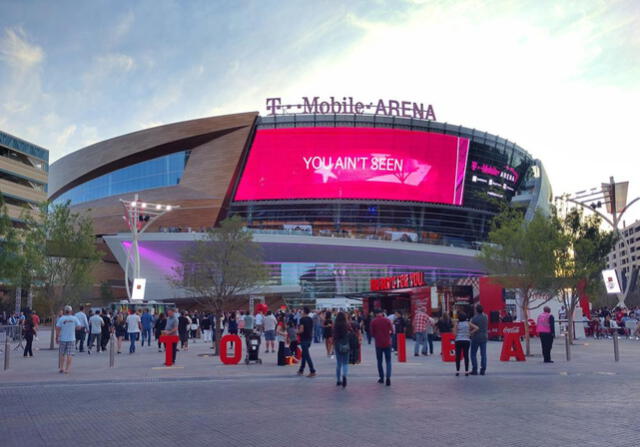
<point>183,330</point>
<point>399,325</point>
<point>106,330</point>
<point>29,330</point>
<point>305,329</point>
<point>161,324</point>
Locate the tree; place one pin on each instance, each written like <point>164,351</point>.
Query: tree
<point>11,255</point>
<point>222,265</point>
<point>520,255</point>
<point>60,251</point>
<point>582,258</point>
<point>11,258</point>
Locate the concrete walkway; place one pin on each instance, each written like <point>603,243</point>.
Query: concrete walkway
<point>588,357</point>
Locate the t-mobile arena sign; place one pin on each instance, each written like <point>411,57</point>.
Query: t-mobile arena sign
<point>389,107</point>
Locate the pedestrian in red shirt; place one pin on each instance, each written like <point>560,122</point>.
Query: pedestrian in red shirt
<point>381,330</point>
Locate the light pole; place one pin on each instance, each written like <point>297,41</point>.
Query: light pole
<point>614,196</point>
<point>139,216</point>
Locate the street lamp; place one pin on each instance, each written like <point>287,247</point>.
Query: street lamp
<point>139,216</point>
<point>614,196</point>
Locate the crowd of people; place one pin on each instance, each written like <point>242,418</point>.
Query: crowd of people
<point>605,323</point>
<point>287,332</point>
<point>291,332</point>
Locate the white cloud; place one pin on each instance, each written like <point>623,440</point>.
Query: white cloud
<point>17,52</point>
<point>122,27</point>
<point>64,136</point>
<point>114,62</point>
<point>150,124</point>
<point>109,66</point>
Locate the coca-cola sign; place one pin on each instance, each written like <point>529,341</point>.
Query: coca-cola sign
<point>348,105</point>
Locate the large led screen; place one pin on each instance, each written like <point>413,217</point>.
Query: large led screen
<point>354,163</point>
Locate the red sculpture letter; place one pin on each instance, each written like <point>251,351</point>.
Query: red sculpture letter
<point>511,347</point>
<point>169,341</point>
<point>237,349</point>
<point>448,347</point>
<point>402,347</point>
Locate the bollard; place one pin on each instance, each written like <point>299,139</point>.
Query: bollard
<point>112,357</point>
<point>6,352</point>
<point>401,343</point>
<point>616,349</point>
<point>567,346</point>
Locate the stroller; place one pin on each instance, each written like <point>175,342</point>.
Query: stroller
<point>253,348</point>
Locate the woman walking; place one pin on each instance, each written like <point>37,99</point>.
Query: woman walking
<point>342,347</point>
<point>328,332</point>
<point>121,331</point>
<point>232,324</point>
<point>281,336</point>
<point>161,324</point>
<point>29,329</point>
<point>463,330</point>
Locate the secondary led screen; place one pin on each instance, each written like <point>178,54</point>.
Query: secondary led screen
<point>354,163</point>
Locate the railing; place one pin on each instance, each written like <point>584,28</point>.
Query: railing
<point>372,237</point>
<point>10,340</point>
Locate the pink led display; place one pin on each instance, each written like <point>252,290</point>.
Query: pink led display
<point>354,163</point>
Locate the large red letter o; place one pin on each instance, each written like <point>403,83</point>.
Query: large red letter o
<point>237,349</point>
<point>448,347</point>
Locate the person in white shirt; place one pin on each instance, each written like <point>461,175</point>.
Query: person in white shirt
<point>66,336</point>
<point>82,329</point>
<point>95,323</point>
<point>259,322</point>
<point>134,327</point>
<point>270,323</point>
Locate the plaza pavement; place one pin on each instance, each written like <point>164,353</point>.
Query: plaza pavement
<point>590,401</point>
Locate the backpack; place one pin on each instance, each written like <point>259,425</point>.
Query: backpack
<point>343,346</point>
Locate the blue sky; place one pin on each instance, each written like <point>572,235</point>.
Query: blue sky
<point>562,79</point>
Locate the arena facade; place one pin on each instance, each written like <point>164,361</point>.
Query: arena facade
<point>335,200</point>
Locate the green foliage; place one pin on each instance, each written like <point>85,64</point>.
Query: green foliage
<point>520,254</point>
<point>11,259</point>
<point>224,264</point>
<point>586,248</point>
<point>60,253</point>
<point>583,257</point>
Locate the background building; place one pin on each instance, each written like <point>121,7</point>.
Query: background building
<point>335,200</point>
<point>24,171</point>
<point>626,259</point>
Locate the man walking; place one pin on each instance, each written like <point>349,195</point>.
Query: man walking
<point>206,328</point>
<point>420,332</point>
<point>479,341</point>
<point>134,326</point>
<point>81,331</point>
<point>270,323</point>
<point>66,337</point>
<point>305,329</point>
<point>106,329</point>
<point>381,330</point>
<point>172,329</point>
<point>147,321</point>
<point>95,323</point>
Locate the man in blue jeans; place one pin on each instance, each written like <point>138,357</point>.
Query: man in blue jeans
<point>381,330</point>
<point>305,330</point>
<point>147,321</point>
<point>479,340</point>
<point>133,330</point>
